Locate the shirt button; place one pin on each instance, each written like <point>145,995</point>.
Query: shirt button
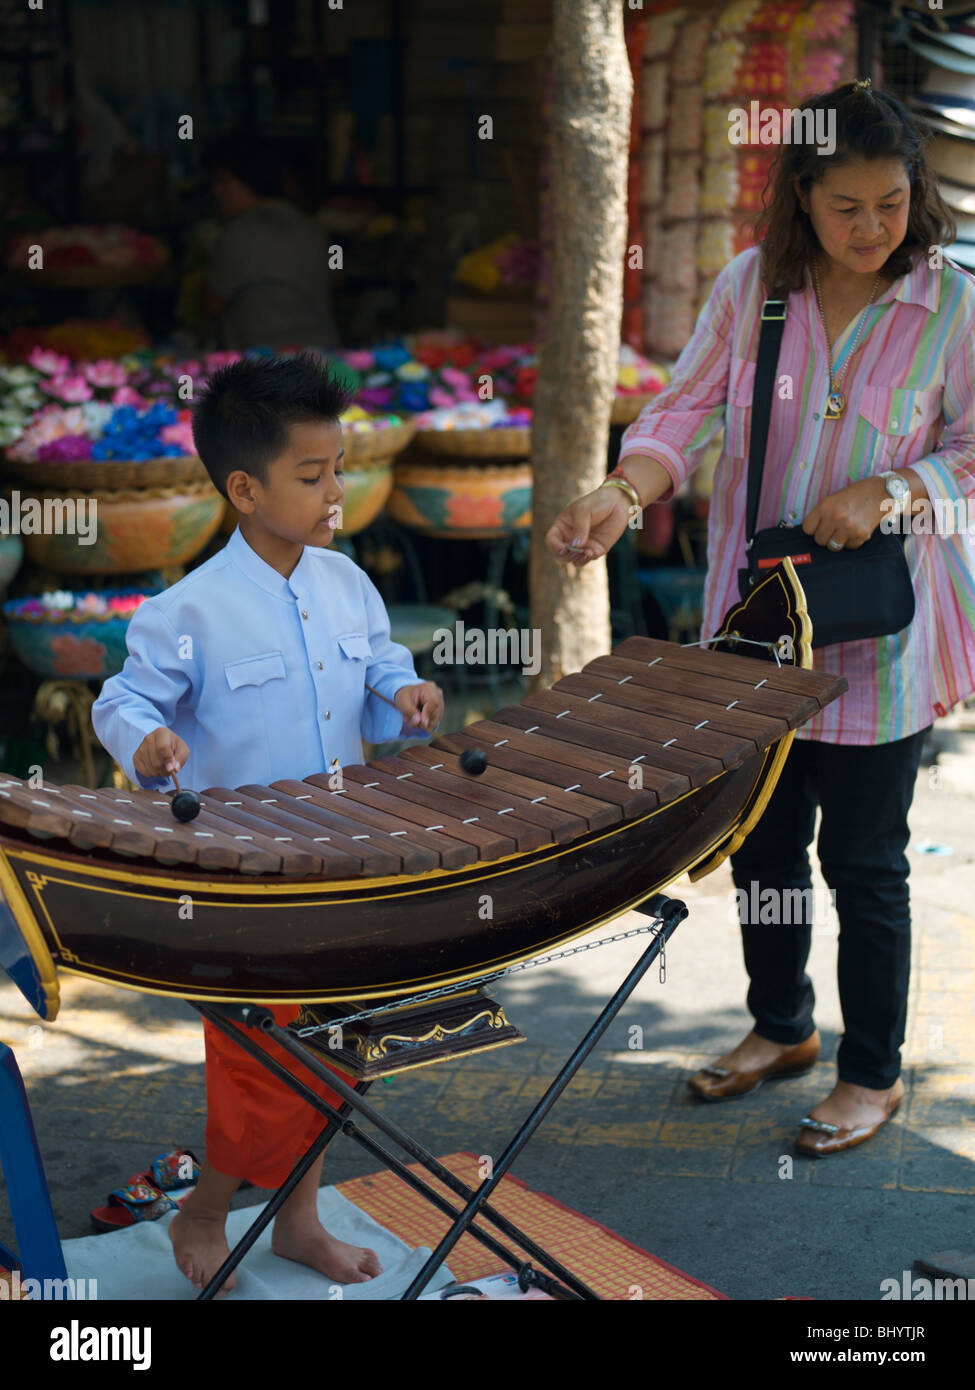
<point>816,415</point>
<point>793,516</point>
<point>804,464</point>
<point>304,613</point>
<point>320,667</point>
<point>894,424</point>
<point>328,714</point>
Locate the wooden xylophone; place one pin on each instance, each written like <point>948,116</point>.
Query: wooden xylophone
<point>630,733</point>
<point>649,762</point>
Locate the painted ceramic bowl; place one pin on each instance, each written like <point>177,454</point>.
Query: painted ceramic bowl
<point>70,645</point>
<point>367,489</point>
<point>131,530</point>
<point>472,501</point>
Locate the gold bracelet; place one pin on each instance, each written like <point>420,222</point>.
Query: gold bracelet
<point>624,486</point>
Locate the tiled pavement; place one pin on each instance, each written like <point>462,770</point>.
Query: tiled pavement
<point>713,1189</point>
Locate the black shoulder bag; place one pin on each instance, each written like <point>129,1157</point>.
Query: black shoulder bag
<point>850,594</point>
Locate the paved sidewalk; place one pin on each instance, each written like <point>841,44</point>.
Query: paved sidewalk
<point>713,1189</point>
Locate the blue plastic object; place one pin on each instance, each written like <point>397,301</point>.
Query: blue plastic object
<point>39,1254</point>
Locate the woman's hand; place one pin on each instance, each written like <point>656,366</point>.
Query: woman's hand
<point>848,517</point>
<point>589,527</point>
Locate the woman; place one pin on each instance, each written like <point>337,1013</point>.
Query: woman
<point>268,283</point>
<point>875,400</point>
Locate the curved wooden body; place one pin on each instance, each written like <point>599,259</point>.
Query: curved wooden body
<point>208,936</point>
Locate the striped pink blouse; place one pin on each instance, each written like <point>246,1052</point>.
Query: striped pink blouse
<point>910,391</point>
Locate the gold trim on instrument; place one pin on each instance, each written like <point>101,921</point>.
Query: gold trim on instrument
<point>33,938</point>
<point>373,1052</point>
<point>336,1064</point>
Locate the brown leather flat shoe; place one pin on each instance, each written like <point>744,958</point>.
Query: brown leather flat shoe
<point>715,1083</point>
<point>830,1139</point>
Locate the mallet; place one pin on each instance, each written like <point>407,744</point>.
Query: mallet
<point>186,805</point>
<point>472,760</point>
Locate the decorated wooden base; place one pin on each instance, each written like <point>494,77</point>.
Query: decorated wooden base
<point>414,1036</point>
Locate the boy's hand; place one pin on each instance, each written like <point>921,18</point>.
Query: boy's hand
<point>160,753</point>
<point>420,704</point>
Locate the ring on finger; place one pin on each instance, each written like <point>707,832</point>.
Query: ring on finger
<point>834,545</point>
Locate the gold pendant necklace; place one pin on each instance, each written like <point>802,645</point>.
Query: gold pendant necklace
<point>836,399</point>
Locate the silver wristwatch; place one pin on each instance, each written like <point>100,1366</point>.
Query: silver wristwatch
<point>899,489</point>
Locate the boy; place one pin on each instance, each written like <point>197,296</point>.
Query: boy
<point>251,669</point>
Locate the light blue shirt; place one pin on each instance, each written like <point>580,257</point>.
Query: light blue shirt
<point>262,677</point>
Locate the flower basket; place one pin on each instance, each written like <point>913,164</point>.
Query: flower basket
<point>365,446</point>
<point>110,473</point>
<point>510,442</point>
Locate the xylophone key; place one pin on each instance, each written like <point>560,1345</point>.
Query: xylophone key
<point>706,701</point>
<point>252,833</point>
<point>455,809</point>
<point>556,763</point>
<point>175,843</point>
<point>594,735</point>
<point>380,854</point>
<point>563,824</point>
<point>596,814</point>
<point>754,697</point>
<point>371,792</point>
<point>299,854</point>
<point>426,849</point>
<point>37,812</point>
<point>788,678</point>
<point>750,728</point>
<point>130,835</point>
<point>697,754</point>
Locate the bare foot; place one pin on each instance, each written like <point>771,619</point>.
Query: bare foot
<point>849,1106</point>
<point>310,1244</point>
<point>751,1053</point>
<point>200,1246</point>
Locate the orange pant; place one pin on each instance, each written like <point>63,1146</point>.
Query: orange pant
<point>256,1125</point>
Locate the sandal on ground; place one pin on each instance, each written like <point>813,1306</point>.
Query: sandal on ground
<point>139,1201</point>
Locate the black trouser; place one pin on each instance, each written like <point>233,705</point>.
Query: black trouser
<point>865,794</point>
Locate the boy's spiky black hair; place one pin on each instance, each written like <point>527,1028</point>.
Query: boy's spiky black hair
<point>245,410</point>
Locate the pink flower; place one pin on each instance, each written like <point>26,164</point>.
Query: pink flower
<point>51,363</point>
<point>126,396</point>
<point>457,380</point>
<point>105,372</point>
<point>68,388</point>
<point>216,360</point>
<point>181,433</point>
<point>359,360</point>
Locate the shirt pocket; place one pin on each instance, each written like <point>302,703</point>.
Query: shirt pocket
<point>355,646</point>
<point>738,410</point>
<point>903,422</point>
<point>255,670</point>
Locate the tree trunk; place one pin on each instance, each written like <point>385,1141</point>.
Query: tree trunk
<point>578,357</point>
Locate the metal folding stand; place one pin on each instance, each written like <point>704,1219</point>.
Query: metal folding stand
<point>234,1019</point>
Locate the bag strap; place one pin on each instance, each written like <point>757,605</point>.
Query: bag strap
<point>769,343</point>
